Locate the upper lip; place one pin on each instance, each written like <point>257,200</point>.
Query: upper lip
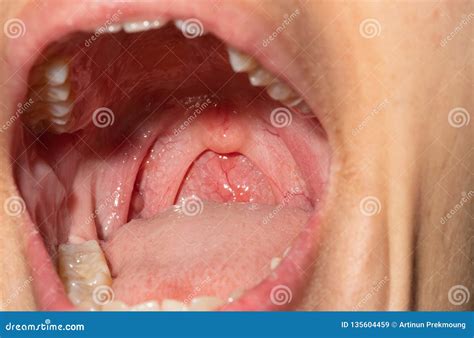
<point>231,26</point>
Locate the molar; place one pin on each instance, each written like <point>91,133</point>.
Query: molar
<point>260,77</point>
<point>280,91</point>
<point>57,72</point>
<point>83,268</point>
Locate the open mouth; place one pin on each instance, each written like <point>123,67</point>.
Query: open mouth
<point>166,169</point>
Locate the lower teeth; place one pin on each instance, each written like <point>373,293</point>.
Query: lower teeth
<point>86,276</point>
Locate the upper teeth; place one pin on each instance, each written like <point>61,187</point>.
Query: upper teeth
<point>241,62</point>
<point>141,26</point>
<point>258,76</point>
<point>54,103</point>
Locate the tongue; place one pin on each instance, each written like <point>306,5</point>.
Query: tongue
<point>218,239</point>
<point>214,251</point>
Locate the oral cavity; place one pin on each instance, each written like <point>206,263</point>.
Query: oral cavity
<point>56,98</point>
<point>191,193</point>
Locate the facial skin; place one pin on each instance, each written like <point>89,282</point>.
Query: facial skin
<point>385,101</point>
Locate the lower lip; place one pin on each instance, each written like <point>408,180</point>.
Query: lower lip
<point>280,291</point>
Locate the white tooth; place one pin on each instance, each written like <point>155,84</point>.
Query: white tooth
<point>293,102</point>
<point>115,305</point>
<point>141,26</point>
<point>275,262</point>
<point>57,72</point>
<point>287,251</point>
<point>59,109</point>
<point>56,93</point>
<point>82,268</point>
<point>236,294</point>
<point>260,77</point>
<point>151,305</point>
<point>179,24</point>
<point>303,108</point>
<point>280,91</point>
<point>173,305</point>
<point>240,62</point>
<point>58,121</point>
<point>205,303</point>
<point>87,306</point>
<point>114,28</point>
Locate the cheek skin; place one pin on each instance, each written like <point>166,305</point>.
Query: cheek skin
<point>15,280</point>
